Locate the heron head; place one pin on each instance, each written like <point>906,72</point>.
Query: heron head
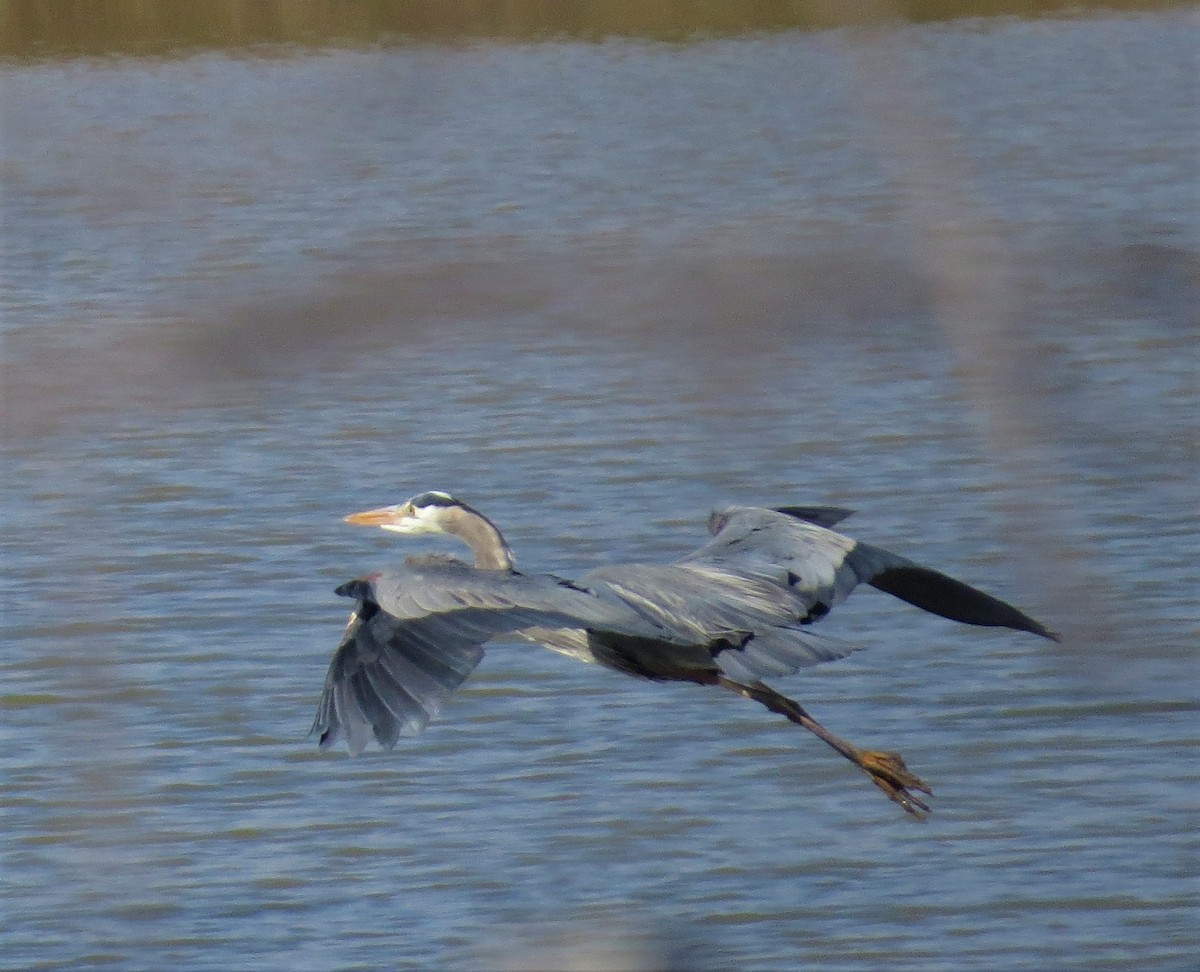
<point>424,513</point>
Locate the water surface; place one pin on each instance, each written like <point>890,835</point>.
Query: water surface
<point>946,276</point>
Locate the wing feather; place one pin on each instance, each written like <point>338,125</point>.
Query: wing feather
<point>418,632</point>
<point>777,652</point>
<point>753,628</point>
<point>372,706</point>
<point>940,594</point>
<point>771,573</point>
<point>785,550</point>
<point>825,516</point>
<point>793,545</point>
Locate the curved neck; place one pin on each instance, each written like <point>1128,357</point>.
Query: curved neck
<point>480,534</point>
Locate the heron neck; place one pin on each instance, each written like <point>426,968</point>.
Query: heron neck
<point>486,543</point>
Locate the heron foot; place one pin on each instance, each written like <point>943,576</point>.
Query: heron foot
<point>888,772</point>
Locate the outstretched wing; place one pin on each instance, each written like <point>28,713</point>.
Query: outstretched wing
<point>388,679</point>
<point>418,631</point>
<point>745,625</point>
<point>784,549</point>
<point>789,547</point>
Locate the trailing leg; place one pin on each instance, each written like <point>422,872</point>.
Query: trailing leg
<point>887,770</point>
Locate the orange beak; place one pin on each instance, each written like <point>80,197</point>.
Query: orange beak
<point>385,514</point>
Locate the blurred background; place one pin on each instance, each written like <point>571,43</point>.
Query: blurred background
<point>597,268</point>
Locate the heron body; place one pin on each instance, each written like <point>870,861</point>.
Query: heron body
<point>740,609</point>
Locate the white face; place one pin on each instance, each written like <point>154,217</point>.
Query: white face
<point>423,513</point>
<point>411,519</point>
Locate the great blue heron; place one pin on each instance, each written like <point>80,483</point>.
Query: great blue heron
<point>737,610</point>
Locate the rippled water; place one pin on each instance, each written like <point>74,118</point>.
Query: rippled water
<point>946,276</point>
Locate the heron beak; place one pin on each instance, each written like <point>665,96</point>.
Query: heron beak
<point>379,517</point>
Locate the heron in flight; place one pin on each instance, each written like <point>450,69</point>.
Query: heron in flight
<point>738,610</point>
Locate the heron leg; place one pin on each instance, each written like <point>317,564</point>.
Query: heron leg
<point>887,770</point>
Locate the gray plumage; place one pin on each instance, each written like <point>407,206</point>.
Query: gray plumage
<point>735,611</point>
<point>418,631</point>
<point>788,546</point>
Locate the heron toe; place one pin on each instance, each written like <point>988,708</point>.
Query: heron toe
<point>889,773</point>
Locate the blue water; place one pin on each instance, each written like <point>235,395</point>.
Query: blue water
<point>597,290</point>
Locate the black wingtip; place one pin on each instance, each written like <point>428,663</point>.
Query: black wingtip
<point>939,594</point>
<point>1033,627</point>
<point>359,588</point>
<point>822,516</point>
